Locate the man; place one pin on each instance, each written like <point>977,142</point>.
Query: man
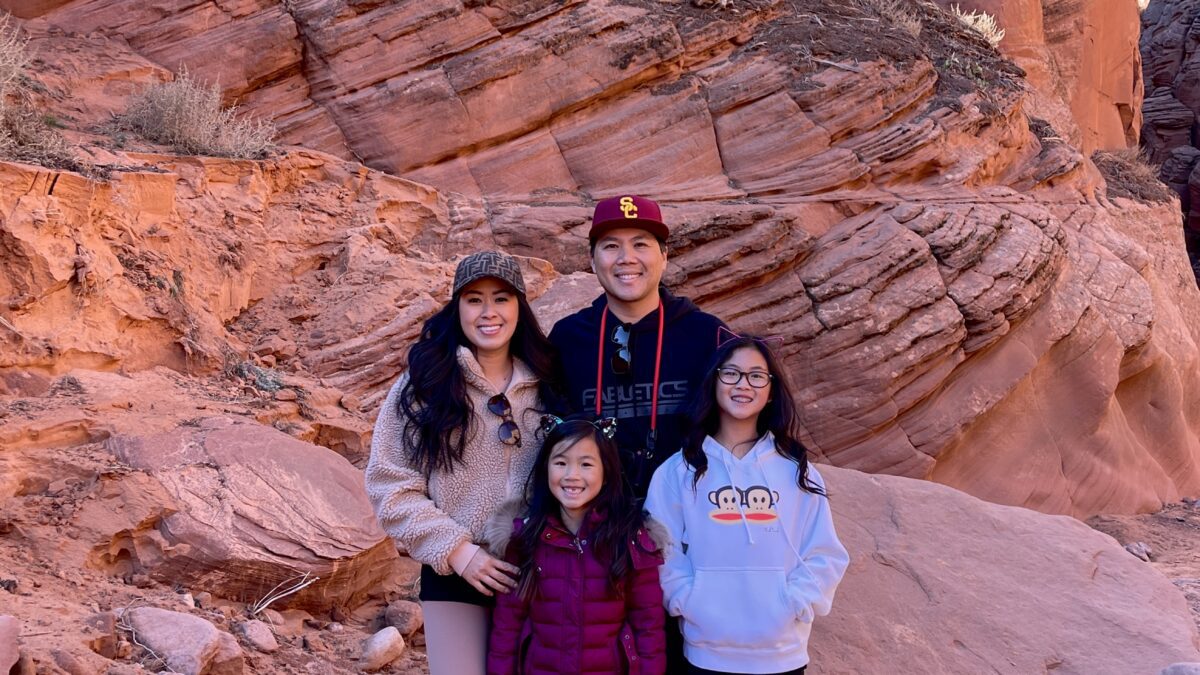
<point>638,352</point>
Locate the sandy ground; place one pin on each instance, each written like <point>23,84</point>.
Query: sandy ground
<point>46,584</point>
<point>1173,535</point>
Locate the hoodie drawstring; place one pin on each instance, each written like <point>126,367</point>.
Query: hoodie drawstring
<point>767,481</point>
<point>733,484</point>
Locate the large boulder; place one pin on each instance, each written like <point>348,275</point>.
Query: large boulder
<point>247,511</point>
<point>10,648</point>
<point>942,582</point>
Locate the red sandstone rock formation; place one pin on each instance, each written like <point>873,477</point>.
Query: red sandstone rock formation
<point>1172,103</point>
<point>915,586</point>
<point>1083,54</point>
<point>963,301</point>
<point>942,269</point>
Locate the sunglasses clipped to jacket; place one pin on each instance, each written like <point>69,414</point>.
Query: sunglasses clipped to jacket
<point>509,433</point>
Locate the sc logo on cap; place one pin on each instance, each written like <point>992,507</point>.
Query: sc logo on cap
<point>628,207</point>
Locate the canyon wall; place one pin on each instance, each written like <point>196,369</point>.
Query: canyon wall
<point>962,299</point>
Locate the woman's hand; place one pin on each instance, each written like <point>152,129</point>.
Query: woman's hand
<point>488,574</point>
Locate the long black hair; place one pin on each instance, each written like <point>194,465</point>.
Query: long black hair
<point>622,517</point>
<point>778,417</point>
<point>434,401</point>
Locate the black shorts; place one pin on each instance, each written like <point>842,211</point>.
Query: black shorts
<point>693,670</point>
<point>450,588</point>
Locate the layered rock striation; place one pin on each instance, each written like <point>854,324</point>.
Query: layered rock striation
<point>1172,104</point>
<point>961,299</point>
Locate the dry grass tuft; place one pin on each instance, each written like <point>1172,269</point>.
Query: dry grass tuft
<point>1128,174</point>
<point>982,23</point>
<point>13,56</point>
<point>896,13</point>
<point>26,135</point>
<point>188,116</point>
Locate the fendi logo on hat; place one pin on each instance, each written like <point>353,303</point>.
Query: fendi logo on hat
<point>489,264</point>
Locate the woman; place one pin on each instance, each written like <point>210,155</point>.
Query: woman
<point>455,439</point>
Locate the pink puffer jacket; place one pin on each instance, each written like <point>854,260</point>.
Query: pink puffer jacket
<point>575,622</point>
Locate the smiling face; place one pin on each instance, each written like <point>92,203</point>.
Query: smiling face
<point>629,264</point>
<point>576,475</point>
<point>741,401</point>
<point>487,313</point>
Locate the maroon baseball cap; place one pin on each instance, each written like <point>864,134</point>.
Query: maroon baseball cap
<point>627,211</point>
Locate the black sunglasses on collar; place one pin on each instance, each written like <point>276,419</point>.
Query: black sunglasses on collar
<point>509,433</point>
<point>622,361</point>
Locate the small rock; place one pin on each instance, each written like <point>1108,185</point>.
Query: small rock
<point>351,402</point>
<point>259,636</point>
<point>69,662</point>
<point>226,608</point>
<point>9,585</point>
<point>285,395</point>
<point>1181,669</point>
<point>314,643</point>
<point>124,669</point>
<point>204,600</point>
<point>405,616</point>
<point>188,644</point>
<point>25,666</point>
<point>272,617</point>
<point>107,644</point>
<point>381,649</point>
<point>188,600</point>
<point>334,627</point>
<point>293,622</point>
<point>1140,549</point>
<point>141,581</point>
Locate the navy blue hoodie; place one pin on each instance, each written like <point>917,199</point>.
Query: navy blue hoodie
<point>689,342</point>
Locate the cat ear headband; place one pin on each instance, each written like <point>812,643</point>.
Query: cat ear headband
<point>607,426</point>
<point>725,335</point>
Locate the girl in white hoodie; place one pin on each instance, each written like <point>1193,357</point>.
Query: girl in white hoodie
<point>754,556</point>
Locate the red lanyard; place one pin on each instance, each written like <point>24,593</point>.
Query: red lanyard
<point>657,365</point>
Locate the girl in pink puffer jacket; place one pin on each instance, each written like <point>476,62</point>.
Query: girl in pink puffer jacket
<point>588,599</point>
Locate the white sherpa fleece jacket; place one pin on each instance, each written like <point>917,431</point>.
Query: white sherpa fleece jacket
<point>430,518</point>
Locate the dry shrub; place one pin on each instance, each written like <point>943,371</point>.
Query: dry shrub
<point>1128,174</point>
<point>13,56</point>
<point>188,116</point>
<point>982,23</point>
<point>25,135</point>
<point>896,13</point>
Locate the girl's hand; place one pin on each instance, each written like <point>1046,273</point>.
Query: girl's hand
<point>487,574</point>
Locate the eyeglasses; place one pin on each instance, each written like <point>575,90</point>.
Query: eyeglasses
<point>622,361</point>
<point>509,433</point>
<point>756,378</point>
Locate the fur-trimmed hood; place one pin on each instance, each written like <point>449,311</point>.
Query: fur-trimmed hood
<point>501,527</point>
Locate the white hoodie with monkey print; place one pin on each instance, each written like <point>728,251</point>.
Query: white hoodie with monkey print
<point>753,559</point>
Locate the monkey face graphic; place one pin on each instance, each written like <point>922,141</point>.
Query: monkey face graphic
<point>726,498</point>
<point>759,502</point>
